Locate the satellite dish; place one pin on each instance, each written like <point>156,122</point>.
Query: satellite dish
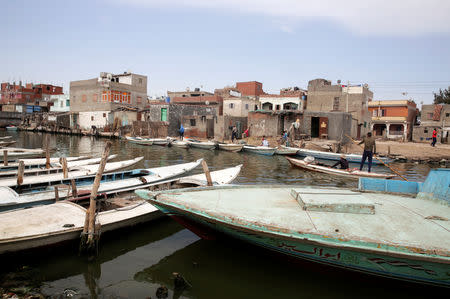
<point>207,102</point>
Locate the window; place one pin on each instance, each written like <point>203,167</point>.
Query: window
<point>383,112</point>
<point>84,98</point>
<point>336,103</point>
<point>104,115</point>
<point>430,116</point>
<point>447,114</point>
<point>425,131</point>
<point>140,80</point>
<point>92,118</point>
<point>67,103</point>
<point>192,121</point>
<point>203,118</point>
<point>62,104</point>
<point>139,100</point>
<point>277,107</point>
<point>231,105</point>
<point>94,98</point>
<point>163,114</point>
<point>374,112</point>
<point>246,106</point>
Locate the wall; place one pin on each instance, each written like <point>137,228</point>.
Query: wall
<point>281,100</point>
<point>100,119</point>
<point>176,112</point>
<point>239,109</point>
<point>339,123</point>
<point>263,124</point>
<point>252,88</point>
<point>60,103</point>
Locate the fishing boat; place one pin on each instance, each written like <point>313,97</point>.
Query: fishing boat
<point>231,147</point>
<point>37,162</point>
<point>111,182</point>
<point>139,140</point>
<point>29,182</point>
<point>55,167</point>
<point>180,144</point>
<point>355,158</point>
<point>286,150</point>
<point>260,150</point>
<point>64,220</point>
<point>5,137</point>
<point>160,141</point>
<point>20,153</point>
<point>4,143</point>
<point>208,145</point>
<point>351,173</point>
<point>11,128</point>
<point>397,236</point>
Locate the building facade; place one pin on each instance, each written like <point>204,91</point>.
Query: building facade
<point>30,94</point>
<point>61,103</point>
<point>326,97</point>
<point>433,117</point>
<point>393,119</point>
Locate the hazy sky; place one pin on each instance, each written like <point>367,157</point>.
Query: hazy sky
<point>395,46</point>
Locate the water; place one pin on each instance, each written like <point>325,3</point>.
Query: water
<point>133,263</point>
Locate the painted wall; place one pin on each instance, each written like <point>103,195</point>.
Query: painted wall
<point>92,118</point>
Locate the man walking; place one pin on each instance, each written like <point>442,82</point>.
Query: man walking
<point>433,143</point>
<point>369,149</point>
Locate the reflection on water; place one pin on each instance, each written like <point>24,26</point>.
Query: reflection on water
<point>133,263</point>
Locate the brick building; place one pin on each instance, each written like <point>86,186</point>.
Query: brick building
<point>393,119</point>
<point>251,88</point>
<point>30,94</point>
<point>325,97</point>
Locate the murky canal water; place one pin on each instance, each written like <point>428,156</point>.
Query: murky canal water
<point>133,263</point>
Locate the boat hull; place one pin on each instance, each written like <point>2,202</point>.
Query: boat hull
<point>231,147</point>
<point>389,265</point>
<point>202,146</point>
<point>353,158</point>
<point>260,150</point>
<point>286,151</point>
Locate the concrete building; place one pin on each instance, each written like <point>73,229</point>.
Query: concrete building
<point>188,93</point>
<point>326,97</point>
<point>30,94</point>
<point>93,99</point>
<point>61,103</point>
<point>433,116</point>
<point>393,119</point>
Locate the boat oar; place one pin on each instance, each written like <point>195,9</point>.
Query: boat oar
<point>375,156</point>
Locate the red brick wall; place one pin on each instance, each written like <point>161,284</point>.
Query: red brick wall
<point>252,88</point>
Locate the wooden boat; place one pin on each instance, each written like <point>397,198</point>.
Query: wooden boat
<point>208,145</point>
<point>55,167</point>
<point>126,180</point>
<point>11,128</point>
<point>402,237</point>
<point>286,150</point>
<point>139,140</point>
<point>354,173</point>
<point>4,143</point>
<point>5,137</point>
<point>180,144</point>
<point>260,150</point>
<point>49,179</point>
<point>231,147</point>
<point>354,158</point>
<point>64,220</point>
<point>160,141</point>
<point>19,153</point>
<point>37,162</point>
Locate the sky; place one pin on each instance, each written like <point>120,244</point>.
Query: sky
<point>399,47</point>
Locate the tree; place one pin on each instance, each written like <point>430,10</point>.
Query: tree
<point>443,97</point>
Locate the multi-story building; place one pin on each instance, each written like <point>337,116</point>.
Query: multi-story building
<point>393,119</point>
<point>433,117</point>
<point>94,99</point>
<point>354,99</point>
<point>292,98</point>
<point>61,103</point>
<point>30,94</point>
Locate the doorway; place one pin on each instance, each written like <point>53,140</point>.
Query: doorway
<point>315,125</point>
<point>210,128</point>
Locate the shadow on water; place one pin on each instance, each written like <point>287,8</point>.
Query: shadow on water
<point>132,263</point>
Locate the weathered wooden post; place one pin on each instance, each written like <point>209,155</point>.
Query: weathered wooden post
<point>64,167</point>
<point>389,149</point>
<point>47,152</point>
<point>5,157</point>
<point>88,243</point>
<point>20,172</point>
<point>207,174</point>
<point>74,188</point>
<point>56,194</point>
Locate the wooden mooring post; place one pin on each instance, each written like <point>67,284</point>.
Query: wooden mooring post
<point>5,157</point>
<point>20,172</point>
<point>74,188</point>
<point>88,243</point>
<point>47,152</point>
<point>64,167</point>
<point>207,173</point>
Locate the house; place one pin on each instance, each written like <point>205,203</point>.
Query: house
<point>393,119</point>
<point>36,96</point>
<point>93,100</point>
<point>61,103</point>
<point>326,97</point>
<point>433,116</point>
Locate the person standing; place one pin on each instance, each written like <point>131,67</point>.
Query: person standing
<point>369,149</point>
<point>264,142</point>
<point>285,138</point>
<point>233,134</point>
<point>181,131</point>
<point>434,135</point>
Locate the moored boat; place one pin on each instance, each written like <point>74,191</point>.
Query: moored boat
<point>139,140</point>
<point>231,147</point>
<point>6,142</point>
<point>354,158</point>
<point>36,162</point>
<point>286,150</point>
<point>401,237</point>
<point>160,141</point>
<point>208,145</point>
<point>11,128</point>
<point>64,220</point>
<point>260,150</point>
<point>351,173</point>
<point>19,153</point>
<point>180,143</point>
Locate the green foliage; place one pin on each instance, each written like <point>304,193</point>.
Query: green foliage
<point>443,97</point>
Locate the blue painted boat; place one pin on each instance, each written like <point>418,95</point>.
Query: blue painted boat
<point>354,158</point>
<point>379,233</point>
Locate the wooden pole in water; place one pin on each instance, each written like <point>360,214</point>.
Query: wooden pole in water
<point>47,152</point>
<point>74,188</point>
<point>207,174</point>
<point>375,156</point>
<point>64,167</point>
<point>20,172</point>
<point>92,204</point>
<point>56,194</point>
<point>5,157</point>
